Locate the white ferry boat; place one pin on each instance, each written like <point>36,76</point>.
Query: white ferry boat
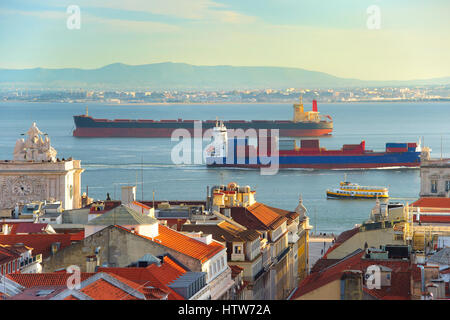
<point>348,190</point>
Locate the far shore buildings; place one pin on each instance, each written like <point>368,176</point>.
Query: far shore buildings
<point>35,174</point>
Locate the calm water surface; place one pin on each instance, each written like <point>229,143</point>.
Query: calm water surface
<point>111,162</point>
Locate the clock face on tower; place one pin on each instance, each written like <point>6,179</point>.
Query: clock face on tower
<point>22,188</point>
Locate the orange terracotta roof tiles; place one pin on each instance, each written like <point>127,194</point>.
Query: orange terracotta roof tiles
<point>35,293</point>
<point>334,272</point>
<point>266,215</point>
<point>103,290</point>
<point>235,270</point>
<point>187,245</point>
<point>184,244</point>
<point>173,265</point>
<point>7,253</point>
<point>430,202</point>
<point>26,227</point>
<point>154,276</point>
<point>77,236</point>
<point>140,204</point>
<point>41,243</point>
<point>29,280</point>
<point>344,236</point>
<point>400,276</point>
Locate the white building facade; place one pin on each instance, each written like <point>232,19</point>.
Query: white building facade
<point>36,175</point>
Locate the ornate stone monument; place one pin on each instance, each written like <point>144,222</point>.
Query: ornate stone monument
<point>35,148</point>
<point>36,174</point>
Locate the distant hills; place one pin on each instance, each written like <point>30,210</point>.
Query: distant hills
<point>185,76</point>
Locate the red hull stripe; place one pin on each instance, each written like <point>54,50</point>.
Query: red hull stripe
<point>167,132</point>
<point>327,166</point>
<point>433,218</point>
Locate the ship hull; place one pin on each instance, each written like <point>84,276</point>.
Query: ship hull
<point>331,195</point>
<point>361,161</point>
<point>89,127</point>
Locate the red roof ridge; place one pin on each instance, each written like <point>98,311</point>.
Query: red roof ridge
<point>265,214</point>
<point>331,273</point>
<point>432,202</point>
<point>182,243</point>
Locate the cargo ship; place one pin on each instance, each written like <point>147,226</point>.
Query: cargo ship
<point>237,152</point>
<point>303,124</point>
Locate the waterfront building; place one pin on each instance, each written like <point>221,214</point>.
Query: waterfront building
<point>283,248</point>
<point>35,174</point>
<point>400,240</point>
<point>435,178</point>
<point>243,250</point>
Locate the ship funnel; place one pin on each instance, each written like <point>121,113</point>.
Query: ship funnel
<point>314,107</point>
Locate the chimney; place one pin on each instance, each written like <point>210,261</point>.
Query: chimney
<point>91,264</point>
<point>55,247</point>
<point>351,285</point>
<point>128,194</point>
<point>5,229</point>
<point>314,107</point>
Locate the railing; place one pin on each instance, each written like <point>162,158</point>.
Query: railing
<point>283,254</point>
<point>27,261</point>
<point>259,274</point>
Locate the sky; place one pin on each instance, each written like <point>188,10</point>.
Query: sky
<point>331,36</point>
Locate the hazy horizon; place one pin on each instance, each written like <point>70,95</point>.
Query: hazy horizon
<point>326,36</point>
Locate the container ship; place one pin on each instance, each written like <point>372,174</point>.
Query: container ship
<point>237,152</point>
<point>303,124</point>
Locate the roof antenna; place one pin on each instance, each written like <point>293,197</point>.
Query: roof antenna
<point>87,113</point>
<point>142,178</point>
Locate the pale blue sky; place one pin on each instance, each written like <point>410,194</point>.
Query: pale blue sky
<point>328,35</point>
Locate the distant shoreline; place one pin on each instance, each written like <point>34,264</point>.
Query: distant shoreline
<point>218,103</point>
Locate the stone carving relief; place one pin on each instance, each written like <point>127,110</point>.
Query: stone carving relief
<point>21,190</point>
<point>36,147</point>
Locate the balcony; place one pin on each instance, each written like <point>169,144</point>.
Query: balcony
<point>36,259</point>
<point>282,255</point>
<point>237,257</point>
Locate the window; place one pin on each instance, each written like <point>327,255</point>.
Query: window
<point>447,185</point>
<point>237,249</point>
<point>433,186</point>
